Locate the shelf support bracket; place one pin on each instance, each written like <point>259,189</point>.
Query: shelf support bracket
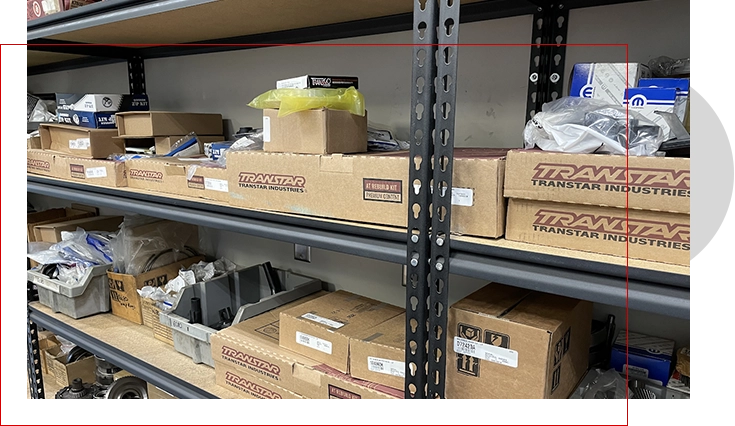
<point>35,375</point>
<point>136,75</point>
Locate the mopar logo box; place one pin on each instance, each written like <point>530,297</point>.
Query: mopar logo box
<point>606,82</point>
<point>96,111</point>
<point>648,101</point>
<point>648,356</point>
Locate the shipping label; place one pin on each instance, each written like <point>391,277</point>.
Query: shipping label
<point>314,342</point>
<point>95,172</point>
<point>216,184</point>
<point>386,366</point>
<point>486,352</point>
<point>322,320</point>
<point>81,143</point>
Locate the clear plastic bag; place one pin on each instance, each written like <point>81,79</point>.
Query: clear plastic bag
<point>582,125</point>
<point>252,142</point>
<point>288,101</point>
<point>188,146</point>
<point>607,385</point>
<point>383,140</point>
<point>663,66</point>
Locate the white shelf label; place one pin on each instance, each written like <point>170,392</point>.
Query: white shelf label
<point>314,342</point>
<point>487,352</point>
<point>95,172</point>
<point>266,129</point>
<point>81,143</point>
<point>322,320</point>
<point>216,184</point>
<point>386,366</point>
<point>462,197</point>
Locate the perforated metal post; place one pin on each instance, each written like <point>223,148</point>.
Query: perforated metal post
<point>546,72</point>
<point>442,193</point>
<point>35,375</point>
<point>136,75</point>
<point>423,97</point>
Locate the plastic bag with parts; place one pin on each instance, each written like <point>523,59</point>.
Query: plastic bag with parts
<point>663,66</point>
<point>288,101</point>
<point>582,125</point>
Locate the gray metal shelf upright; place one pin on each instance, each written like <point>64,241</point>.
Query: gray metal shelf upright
<point>427,250</point>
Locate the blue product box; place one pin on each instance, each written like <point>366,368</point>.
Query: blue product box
<point>682,91</point>
<point>214,150</point>
<point>96,111</point>
<point>605,81</point>
<point>648,357</point>
<point>647,100</point>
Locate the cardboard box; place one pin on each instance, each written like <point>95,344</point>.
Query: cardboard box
<point>251,348</point>
<point>124,298</point>
<point>40,8</point>
<point>367,188</point>
<point>249,386</point>
<point>91,171</point>
<point>656,236</point>
<point>39,162</point>
<point>682,92</point>
<point>321,328</point>
<point>648,356</point>
<point>317,81</point>
<point>648,101</point>
<point>51,216</point>
<point>214,150</point>
<point>158,123</point>
<point>46,341</point>
<point>151,319</point>
<point>379,355</point>
<point>656,183</point>
<point>154,392</point>
<point>34,142</point>
<point>316,131</point>
<point>79,141</point>
<point>163,144</point>
<point>605,81</point>
<point>96,111</point>
<point>51,232</point>
<point>66,372</point>
<point>171,176</point>
<point>507,342</point>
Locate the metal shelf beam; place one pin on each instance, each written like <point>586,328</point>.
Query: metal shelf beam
<point>650,291</point>
<point>135,366</point>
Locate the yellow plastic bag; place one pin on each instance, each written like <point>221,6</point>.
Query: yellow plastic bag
<point>288,101</point>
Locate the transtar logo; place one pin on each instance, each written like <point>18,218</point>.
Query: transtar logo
<point>658,178</point>
<point>273,179</point>
<point>38,164</point>
<point>145,174</point>
<point>614,225</point>
<point>251,360</point>
<point>250,386</point>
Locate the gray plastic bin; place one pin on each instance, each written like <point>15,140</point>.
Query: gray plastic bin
<point>89,296</point>
<point>241,291</point>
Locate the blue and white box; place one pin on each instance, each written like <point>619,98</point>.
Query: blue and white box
<point>96,111</point>
<point>605,81</point>
<point>648,100</point>
<point>682,91</point>
<point>214,150</point>
<point>648,356</point>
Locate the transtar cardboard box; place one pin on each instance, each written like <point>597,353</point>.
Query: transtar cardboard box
<point>124,298</point>
<point>180,176</point>
<point>338,385</point>
<point>367,188</point>
<point>163,144</point>
<point>51,232</point>
<point>507,342</point>
<point>91,171</point>
<point>654,183</point>
<point>41,162</point>
<point>249,386</point>
<point>656,236</point>
<point>316,131</point>
<point>34,142</point>
<point>158,123</point>
<point>321,328</point>
<point>378,355</point>
<point>80,141</point>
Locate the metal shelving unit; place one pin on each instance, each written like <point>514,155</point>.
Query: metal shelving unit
<point>426,249</point>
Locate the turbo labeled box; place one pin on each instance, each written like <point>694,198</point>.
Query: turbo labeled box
<point>159,123</point>
<point>379,354</point>
<point>79,141</point>
<point>178,176</point>
<point>321,328</point>
<point>317,81</point>
<point>648,101</point>
<point>605,81</point>
<point>647,356</point>
<point>316,131</point>
<point>653,183</point>
<point>96,110</point>
<point>91,171</point>
<point>639,234</point>
<point>369,188</point>
<point>511,343</point>
<point>164,144</point>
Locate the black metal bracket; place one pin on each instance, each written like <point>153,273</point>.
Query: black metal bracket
<point>546,71</point>
<point>33,358</point>
<point>136,75</point>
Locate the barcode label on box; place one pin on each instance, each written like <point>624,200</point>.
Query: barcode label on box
<point>215,184</point>
<point>322,320</point>
<point>462,197</point>
<point>314,342</point>
<point>487,352</point>
<point>95,172</point>
<point>386,366</point>
<point>266,129</point>
<point>81,143</point>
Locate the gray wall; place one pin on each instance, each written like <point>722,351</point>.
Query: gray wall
<point>491,101</point>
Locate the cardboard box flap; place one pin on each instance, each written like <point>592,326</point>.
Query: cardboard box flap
<point>391,333</point>
<point>364,385</point>
<point>335,163</point>
<point>493,300</point>
<point>78,129</point>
